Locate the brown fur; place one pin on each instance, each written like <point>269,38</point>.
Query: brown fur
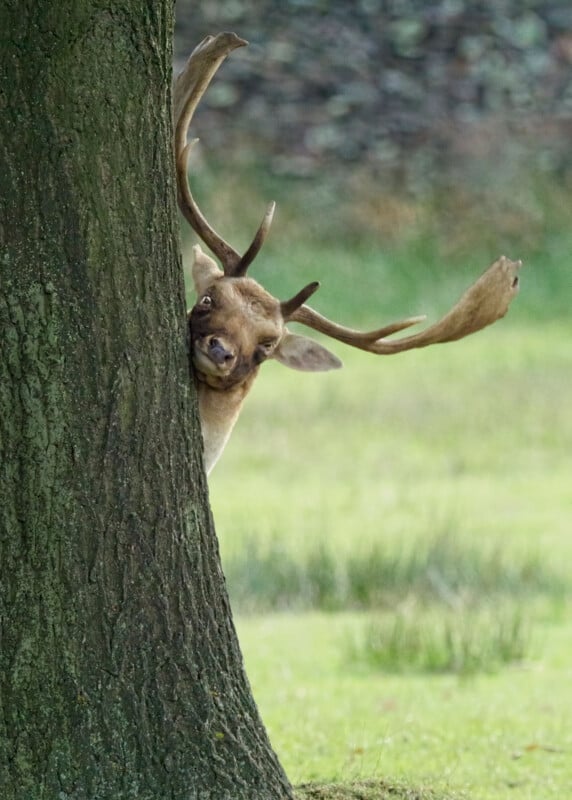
<point>235,326</point>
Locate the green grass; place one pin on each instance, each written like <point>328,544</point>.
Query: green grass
<point>410,517</point>
<point>434,476</point>
<point>471,441</point>
<point>491,736</point>
<point>464,640</point>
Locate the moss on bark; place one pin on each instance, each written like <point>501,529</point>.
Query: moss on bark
<point>120,673</point>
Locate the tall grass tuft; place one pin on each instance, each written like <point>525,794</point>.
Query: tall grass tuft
<point>441,571</point>
<point>464,641</point>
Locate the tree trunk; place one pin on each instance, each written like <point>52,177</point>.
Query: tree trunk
<point>120,672</point>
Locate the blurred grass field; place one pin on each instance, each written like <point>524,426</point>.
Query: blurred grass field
<point>470,439</point>
<point>396,536</point>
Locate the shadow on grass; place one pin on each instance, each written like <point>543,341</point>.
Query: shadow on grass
<point>370,790</point>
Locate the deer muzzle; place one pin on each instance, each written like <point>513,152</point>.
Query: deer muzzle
<point>213,356</point>
<point>219,353</point>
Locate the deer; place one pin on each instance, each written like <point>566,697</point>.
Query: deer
<point>236,325</point>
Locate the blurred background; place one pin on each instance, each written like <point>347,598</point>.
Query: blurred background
<point>391,123</point>
<point>412,514</point>
<point>412,92</point>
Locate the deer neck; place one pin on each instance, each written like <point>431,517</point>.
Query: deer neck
<point>218,410</point>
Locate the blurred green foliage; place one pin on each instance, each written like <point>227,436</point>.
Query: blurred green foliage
<point>418,92</point>
<point>407,143</point>
<point>380,254</point>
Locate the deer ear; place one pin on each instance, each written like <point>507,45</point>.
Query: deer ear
<point>298,352</point>
<point>205,270</point>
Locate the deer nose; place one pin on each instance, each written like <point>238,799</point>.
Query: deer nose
<point>218,352</point>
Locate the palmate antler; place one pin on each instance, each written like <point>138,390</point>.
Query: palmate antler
<point>482,304</point>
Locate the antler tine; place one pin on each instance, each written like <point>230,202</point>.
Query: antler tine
<point>257,242</point>
<point>482,304</point>
<point>189,87</point>
<point>288,307</point>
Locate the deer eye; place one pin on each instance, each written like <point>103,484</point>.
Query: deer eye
<point>263,350</point>
<point>206,301</point>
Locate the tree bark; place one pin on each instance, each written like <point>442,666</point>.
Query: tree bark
<point>120,672</point>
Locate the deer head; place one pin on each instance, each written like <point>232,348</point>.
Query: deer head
<point>236,325</point>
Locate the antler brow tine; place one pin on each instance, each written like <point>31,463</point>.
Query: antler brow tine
<point>189,87</point>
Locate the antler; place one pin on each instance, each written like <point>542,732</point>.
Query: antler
<point>482,304</point>
<point>189,87</point>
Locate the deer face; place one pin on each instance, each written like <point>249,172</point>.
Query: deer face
<point>236,325</point>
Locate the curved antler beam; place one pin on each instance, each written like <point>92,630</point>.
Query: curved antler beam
<point>486,301</point>
<point>189,87</point>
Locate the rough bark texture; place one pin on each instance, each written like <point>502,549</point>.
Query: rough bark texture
<point>120,673</point>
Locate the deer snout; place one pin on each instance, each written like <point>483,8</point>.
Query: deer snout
<point>218,352</point>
